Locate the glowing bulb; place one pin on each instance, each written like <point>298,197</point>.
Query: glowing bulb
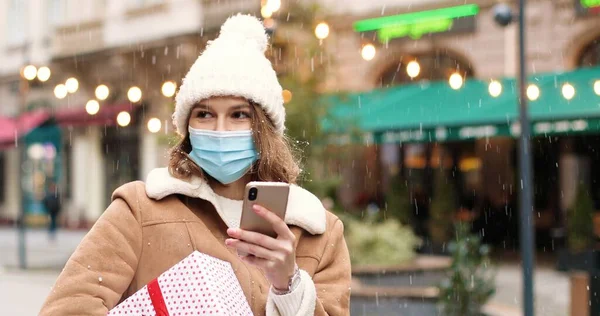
<point>35,151</point>
<point>266,12</point>
<point>495,88</point>
<point>322,30</point>
<point>92,107</point>
<point>29,72</point>
<point>568,91</point>
<point>123,119</point>
<point>60,91</point>
<point>273,5</point>
<point>134,94</point>
<point>456,81</point>
<point>169,88</point>
<point>102,92</point>
<point>368,52</point>
<point>413,69</point>
<point>43,74</point>
<point>597,87</point>
<point>72,85</point>
<point>533,92</point>
<point>287,96</point>
<point>154,125</point>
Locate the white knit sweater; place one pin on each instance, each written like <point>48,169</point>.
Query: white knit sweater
<point>304,210</point>
<point>289,304</point>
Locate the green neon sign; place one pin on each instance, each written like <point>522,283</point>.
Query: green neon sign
<point>419,17</point>
<point>590,3</point>
<point>414,30</point>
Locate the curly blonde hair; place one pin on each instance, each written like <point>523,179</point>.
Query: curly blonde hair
<point>277,161</point>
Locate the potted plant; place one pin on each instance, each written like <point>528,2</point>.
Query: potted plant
<point>579,254</point>
<point>441,211</point>
<point>397,201</point>
<point>470,283</point>
<point>379,242</point>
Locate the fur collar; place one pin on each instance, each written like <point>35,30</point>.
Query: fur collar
<point>304,209</point>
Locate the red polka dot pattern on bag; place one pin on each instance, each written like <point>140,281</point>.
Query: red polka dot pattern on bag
<point>197,285</point>
<point>137,304</point>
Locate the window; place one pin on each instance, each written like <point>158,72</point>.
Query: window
<point>16,22</point>
<point>65,12</point>
<point>415,165</point>
<point>591,54</point>
<point>56,12</point>
<point>144,3</point>
<point>122,154</point>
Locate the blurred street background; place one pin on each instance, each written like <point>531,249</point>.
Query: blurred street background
<point>405,113</point>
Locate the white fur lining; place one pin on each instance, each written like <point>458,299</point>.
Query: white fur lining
<point>304,209</point>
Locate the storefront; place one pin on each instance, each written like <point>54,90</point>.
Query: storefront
<point>469,130</point>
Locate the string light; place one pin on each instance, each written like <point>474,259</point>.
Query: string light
<point>134,94</point>
<point>168,89</point>
<point>43,74</point>
<point>456,81</point>
<point>29,72</point>
<point>322,30</point>
<point>568,91</point>
<point>92,107</point>
<point>413,69</point>
<point>72,85</point>
<point>368,52</point>
<point>123,118</point>
<point>154,125</point>
<point>533,92</point>
<point>287,96</point>
<point>60,91</point>
<point>495,88</point>
<point>102,92</point>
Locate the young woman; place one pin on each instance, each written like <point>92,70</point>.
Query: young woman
<point>229,112</point>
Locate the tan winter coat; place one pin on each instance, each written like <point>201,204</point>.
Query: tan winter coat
<point>150,227</point>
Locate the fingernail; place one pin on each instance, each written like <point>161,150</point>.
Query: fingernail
<point>256,208</point>
<point>231,231</point>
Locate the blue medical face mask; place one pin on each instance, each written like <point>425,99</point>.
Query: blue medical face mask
<point>225,156</point>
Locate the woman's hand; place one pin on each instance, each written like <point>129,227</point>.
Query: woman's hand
<point>276,257</point>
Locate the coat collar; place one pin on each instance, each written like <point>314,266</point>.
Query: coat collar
<point>304,209</point>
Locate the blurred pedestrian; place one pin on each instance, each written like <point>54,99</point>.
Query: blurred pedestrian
<point>230,116</point>
<point>52,203</point>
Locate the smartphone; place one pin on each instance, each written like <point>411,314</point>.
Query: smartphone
<point>271,195</point>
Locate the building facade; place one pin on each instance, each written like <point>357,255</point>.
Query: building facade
<point>116,44</point>
<point>143,43</point>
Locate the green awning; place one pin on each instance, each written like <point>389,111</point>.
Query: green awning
<point>435,112</point>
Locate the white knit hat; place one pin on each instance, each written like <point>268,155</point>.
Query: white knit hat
<point>234,64</point>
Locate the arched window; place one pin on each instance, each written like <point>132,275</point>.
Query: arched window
<point>433,66</point>
<point>590,55</point>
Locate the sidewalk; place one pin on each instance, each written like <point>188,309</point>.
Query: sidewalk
<point>24,292</point>
<point>552,292</point>
<point>41,252</point>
